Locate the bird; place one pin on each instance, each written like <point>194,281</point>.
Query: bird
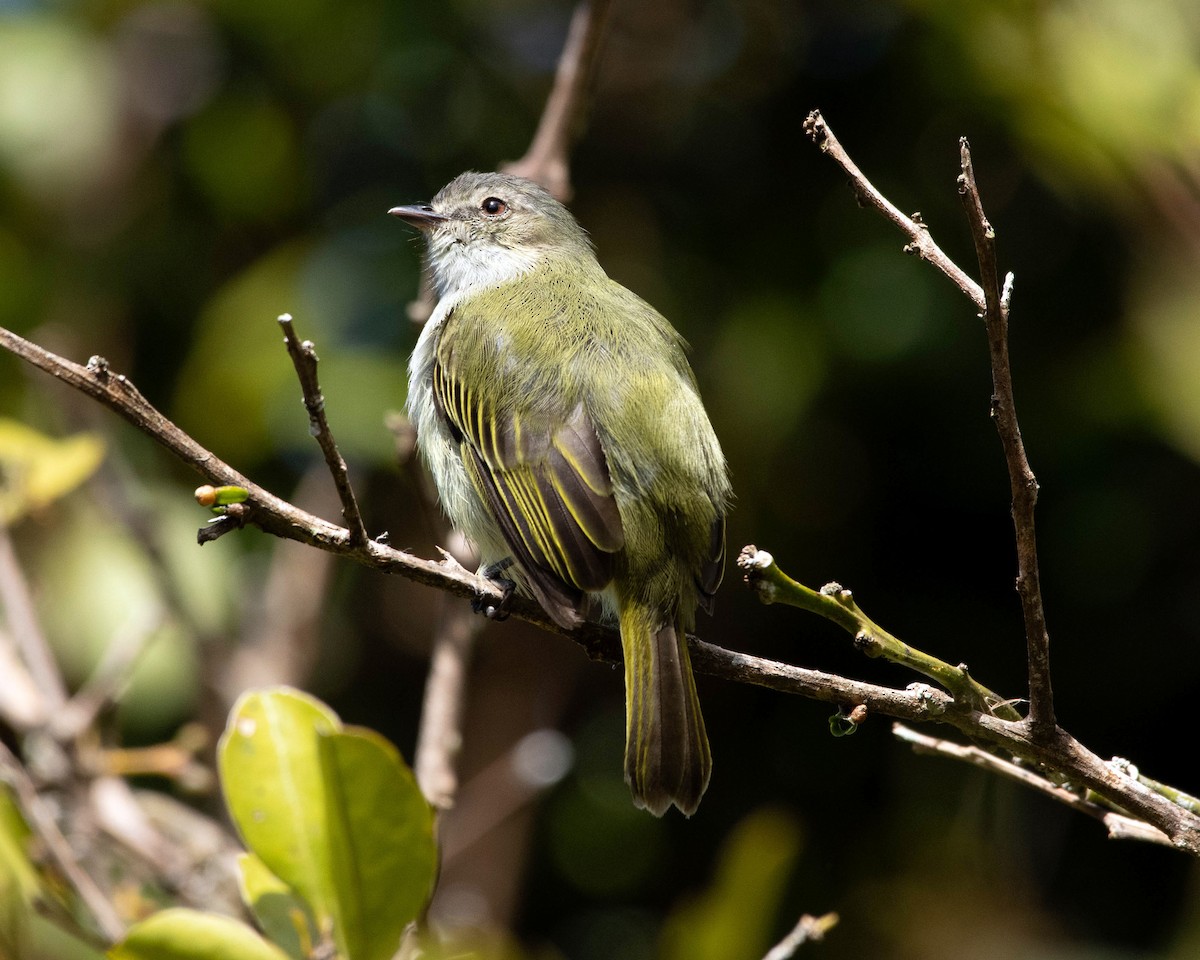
<point>564,429</point>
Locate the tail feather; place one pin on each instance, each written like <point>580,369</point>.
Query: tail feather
<point>667,758</point>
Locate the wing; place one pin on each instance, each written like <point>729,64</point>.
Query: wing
<point>545,479</point>
<point>713,569</point>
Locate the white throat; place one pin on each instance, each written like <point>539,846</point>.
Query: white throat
<point>459,266</point>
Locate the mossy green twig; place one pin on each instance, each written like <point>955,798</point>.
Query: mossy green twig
<point>834,602</point>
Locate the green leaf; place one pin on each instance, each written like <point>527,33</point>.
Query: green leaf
<point>271,777</point>
<point>334,813</point>
<point>18,880</point>
<point>28,932</point>
<point>180,934</point>
<point>284,917</point>
<point>35,470</point>
<point>381,828</point>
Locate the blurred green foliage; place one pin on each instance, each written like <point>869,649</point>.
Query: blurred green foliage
<point>174,175</point>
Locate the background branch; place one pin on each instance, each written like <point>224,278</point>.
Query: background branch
<point>546,161</point>
<point>42,822</point>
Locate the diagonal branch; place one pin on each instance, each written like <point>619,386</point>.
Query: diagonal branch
<point>1120,827</point>
<point>26,632</point>
<point>42,822</point>
<point>304,359</point>
<point>546,160</point>
<point>920,241</point>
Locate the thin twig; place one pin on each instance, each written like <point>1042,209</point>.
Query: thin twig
<point>42,823</point>
<point>1021,479</point>
<point>546,160</point>
<point>807,930</point>
<point>920,242</point>
<point>992,303</point>
<point>25,629</point>
<point>21,704</point>
<point>834,602</point>
<point>304,359</point>
<point>1120,827</point>
<point>263,508</point>
<point>108,678</point>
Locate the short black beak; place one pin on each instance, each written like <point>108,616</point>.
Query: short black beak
<point>420,215</point>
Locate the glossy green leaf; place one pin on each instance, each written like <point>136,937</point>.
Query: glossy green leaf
<point>180,934</point>
<point>334,813</point>
<point>283,916</point>
<point>382,846</point>
<point>271,777</point>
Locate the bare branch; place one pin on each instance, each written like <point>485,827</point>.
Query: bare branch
<point>304,359</point>
<point>546,161</point>
<point>42,823</point>
<point>439,738</point>
<point>920,703</point>
<point>25,629</point>
<point>263,509</point>
<point>992,303</point>
<point>1059,753</point>
<point>1120,827</point>
<point>1021,479</point>
<point>920,242</point>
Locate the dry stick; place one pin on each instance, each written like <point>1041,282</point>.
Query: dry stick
<point>920,242</point>
<point>807,930</point>
<point>920,704</point>
<point>264,509</point>
<point>304,359</point>
<point>546,160</point>
<point>23,625</point>
<point>1022,481</point>
<point>1120,827</point>
<point>1060,752</point>
<point>42,823</point>
<point>992,304</point>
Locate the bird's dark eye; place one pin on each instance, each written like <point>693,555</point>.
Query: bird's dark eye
<point>494,206</point>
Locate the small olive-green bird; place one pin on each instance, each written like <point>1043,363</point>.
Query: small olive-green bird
<point>563,427</point>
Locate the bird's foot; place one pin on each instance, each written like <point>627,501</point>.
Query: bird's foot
<point>488,605</point>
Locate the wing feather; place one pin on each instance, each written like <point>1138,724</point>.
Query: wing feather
<point>545,478</point>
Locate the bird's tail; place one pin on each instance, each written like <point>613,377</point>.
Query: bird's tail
<point>667,758</point>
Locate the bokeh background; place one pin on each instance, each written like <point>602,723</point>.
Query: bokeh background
<point>174,175</point>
